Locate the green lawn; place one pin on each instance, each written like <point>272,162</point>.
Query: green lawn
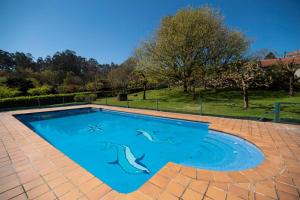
<point>220,103</point>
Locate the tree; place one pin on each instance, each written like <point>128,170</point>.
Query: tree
<point>289,69</point>
<point>270,55</point>
<point>72,82</point>
<point>6,61</point>
<point>19,83</point>
<point>244,74</point>
<point>138,77</point>
<point>41,90</point>
<point>23,61</point>
<point>146,70</point>
<point>119,76</point>
<point>6,92</point>
<point>193,39</point>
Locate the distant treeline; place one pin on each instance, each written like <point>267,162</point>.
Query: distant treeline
<point>64,72</point>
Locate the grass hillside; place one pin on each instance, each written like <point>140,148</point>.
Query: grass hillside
<point>220,103</point>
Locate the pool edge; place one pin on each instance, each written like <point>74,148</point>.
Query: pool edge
<point>193,174</point>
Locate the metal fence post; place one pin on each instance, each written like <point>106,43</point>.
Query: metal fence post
<point>157,104</point>
<point>106,100</point>
<point>127,103</point>
<point>277,112</point>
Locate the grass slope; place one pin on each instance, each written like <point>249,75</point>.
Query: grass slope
<point>221,103</point>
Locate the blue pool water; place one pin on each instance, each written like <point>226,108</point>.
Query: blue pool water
<point>124,150</point>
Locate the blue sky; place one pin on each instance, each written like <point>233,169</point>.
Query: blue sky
<point>109,30</point>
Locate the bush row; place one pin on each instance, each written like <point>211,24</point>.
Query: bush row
<point>85,97</point>
<point>42,100</point>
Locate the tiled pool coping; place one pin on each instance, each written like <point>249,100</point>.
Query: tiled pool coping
<point>31,168</point>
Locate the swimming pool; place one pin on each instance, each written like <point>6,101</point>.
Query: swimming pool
<point>124,150</point>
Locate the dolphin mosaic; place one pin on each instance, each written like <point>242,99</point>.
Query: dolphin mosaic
<point>151,136</point>
<point>128,161</point>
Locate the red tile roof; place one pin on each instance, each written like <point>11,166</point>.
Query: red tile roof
<point>269,62</point>
<point>293,54</point>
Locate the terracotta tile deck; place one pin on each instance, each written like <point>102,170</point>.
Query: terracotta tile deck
<point>30,168</point>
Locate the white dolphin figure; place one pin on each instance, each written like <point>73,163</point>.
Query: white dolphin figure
<point>127,160</point>
<point>152,137</point>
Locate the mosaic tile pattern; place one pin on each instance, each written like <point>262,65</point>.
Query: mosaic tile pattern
<point>31,168</point>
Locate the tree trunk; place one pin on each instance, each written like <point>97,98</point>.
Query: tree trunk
<point>291,86</point>
<point>190,88</point>
<point>245,97</point>
<point>185,86</point>
<point>144,90</point>
<point>194,93</point>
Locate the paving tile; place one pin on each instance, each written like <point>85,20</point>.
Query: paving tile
<point>215,193</point>
<point>189,171</point>
<point>98,192</point>
<point>233,197</point>
<point>137,196</point>
<point>159,180</point>
<point>73,194</point>
<point>57,181</point>
<point>199,186</point>
<point>175,188</point>
<point>8,178</point>
<point>83,198</point>
<point>238,191</point>
<point>33,183</point>
<point>286,188</point>
<point>167,196</point>
<point>191,195</point>
<point>37,165</point>
<point>63,188</point>
<point>90,185</point>
<point>6,171</point>
<point>52,175</point>
<point>288,196</point>
<point>221,177</point>
<point>22,196</point>
<point>150,190</point>
<point>267,190</point>
<point>238,177</point>
<point>110,195</point>
<point>183,180</point>
<point>168,172</point>
<point>11,193</point>
<point>46,196</point>
<point>37,191</point>
<point>205,175</point>
<point>262,197</point>
<point>220,186</point>
<point>9,185</point>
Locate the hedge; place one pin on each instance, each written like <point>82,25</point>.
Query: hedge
<point>42,100</point>
<point>85,97</point>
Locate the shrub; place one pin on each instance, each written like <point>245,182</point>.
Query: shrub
<point>6,92</point>
<point>27,101</point>
<point>85,97</point>
<point>43,90</point>
<point>93,86</point>
<point>79,98</point>
<point>122,97</point>
<point>42,100</point>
